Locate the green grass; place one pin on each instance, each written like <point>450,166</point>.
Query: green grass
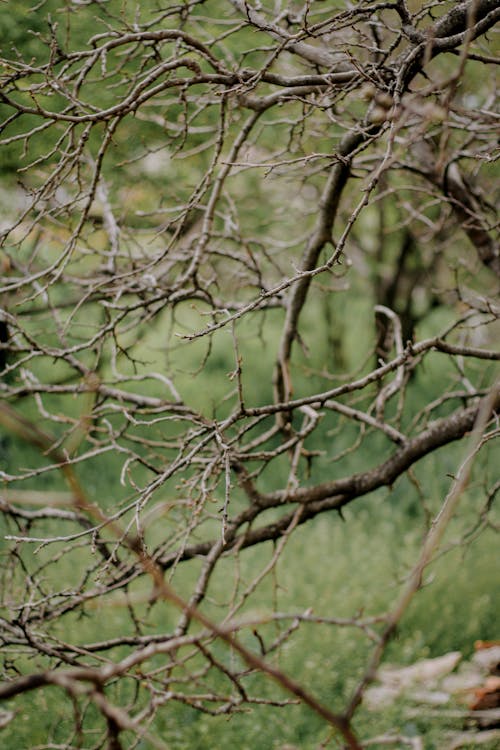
<point>335,568</point>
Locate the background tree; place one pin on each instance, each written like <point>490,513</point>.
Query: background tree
<point>250,266</point>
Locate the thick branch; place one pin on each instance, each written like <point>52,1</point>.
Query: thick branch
<point>338,493</point>
<point>322,234</point>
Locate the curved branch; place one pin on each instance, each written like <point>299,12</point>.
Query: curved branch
<point>336,494</point>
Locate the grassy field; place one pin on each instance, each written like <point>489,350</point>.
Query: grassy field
<point>333,567</point>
